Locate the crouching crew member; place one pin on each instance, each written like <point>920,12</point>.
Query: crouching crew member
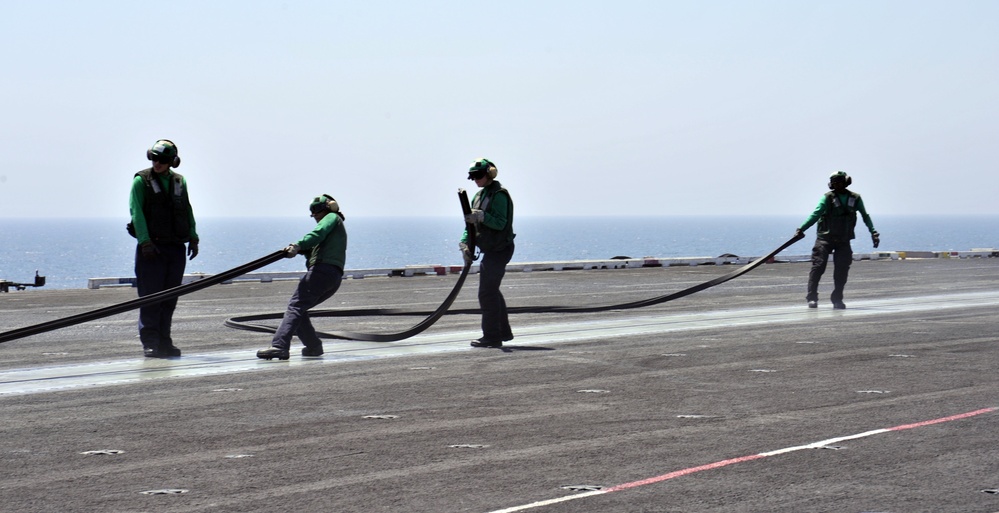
<point>325,248</point>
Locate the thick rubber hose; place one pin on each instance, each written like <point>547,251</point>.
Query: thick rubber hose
<point>244,322</point>
<point>142,301</point>
<point>466,209</point>
<point>688,291</point>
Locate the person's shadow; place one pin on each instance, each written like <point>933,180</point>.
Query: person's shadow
<point>510,349</point>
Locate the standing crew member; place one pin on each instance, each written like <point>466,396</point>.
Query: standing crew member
<point>162,222</point>
<point>492,215</point>
<point>325,249</point>
<point>837,217</point>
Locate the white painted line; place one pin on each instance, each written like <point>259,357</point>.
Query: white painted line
<point>732,461</point>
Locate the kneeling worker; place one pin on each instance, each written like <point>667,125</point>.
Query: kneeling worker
<point>326,248</point>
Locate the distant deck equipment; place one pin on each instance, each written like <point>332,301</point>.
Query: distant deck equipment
<point>6,285</point>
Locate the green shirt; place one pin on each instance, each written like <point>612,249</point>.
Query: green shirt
<point>326,243</point>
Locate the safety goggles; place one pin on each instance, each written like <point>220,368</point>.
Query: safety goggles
<point>475,175</point>
<point>162,159</point>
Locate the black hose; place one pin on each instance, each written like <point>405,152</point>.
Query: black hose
<point>171,293</point>
<point>243,322</point>
<point>466,209</point>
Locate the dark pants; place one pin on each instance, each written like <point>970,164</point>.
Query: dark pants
<point>164,271</point>
<point>318,285</point>
<point>495,323</point>
<point>842,258</point>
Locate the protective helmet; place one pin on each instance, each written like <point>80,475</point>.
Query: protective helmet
<point>483,165</point>
<point>839,176</point>
<point>322,203</point>
<point>165,151</point>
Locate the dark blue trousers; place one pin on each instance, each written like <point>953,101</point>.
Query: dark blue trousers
<point>842,258</point>
<point>163,272</point>
<point>318,285</point>
<point>495,322</point>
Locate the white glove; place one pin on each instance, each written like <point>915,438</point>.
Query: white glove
<point>466,254</point>
<point>291,250</point>
<point>476,216</point>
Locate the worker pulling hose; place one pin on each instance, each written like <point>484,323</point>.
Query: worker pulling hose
<point>314,346</point>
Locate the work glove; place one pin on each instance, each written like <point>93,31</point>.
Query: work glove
<point>798,233</point>
<point>475,216</point>
<point>291,250</point>
<point>148,250</point>
<point>466,253</point>
<point>192,249</point>
<point>875,239</point>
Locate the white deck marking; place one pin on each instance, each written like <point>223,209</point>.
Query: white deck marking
<point>750,457</point>
<point>61,377</point>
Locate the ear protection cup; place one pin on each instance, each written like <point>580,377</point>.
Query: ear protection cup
<point>176,156</point>
<point>321,204</point>
<point>335,207</point>
<point>485,165</point>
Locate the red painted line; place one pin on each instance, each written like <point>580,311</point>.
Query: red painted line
<point>684,472</point>
<point>942,419</point>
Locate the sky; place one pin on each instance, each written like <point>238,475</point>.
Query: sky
<point>638,108</point>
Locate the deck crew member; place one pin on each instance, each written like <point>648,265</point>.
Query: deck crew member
<point>836,214</point>
<point>325,249</point>
<point>492,216</point>
<point>162,223</point>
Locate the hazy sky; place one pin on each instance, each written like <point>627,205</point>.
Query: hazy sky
<point>612,107</point>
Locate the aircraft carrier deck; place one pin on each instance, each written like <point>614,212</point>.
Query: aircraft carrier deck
<point>734,399</point>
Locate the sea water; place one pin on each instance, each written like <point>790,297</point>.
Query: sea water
<point>70,251</point>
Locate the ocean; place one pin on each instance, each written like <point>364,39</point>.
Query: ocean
<point>70,251</point>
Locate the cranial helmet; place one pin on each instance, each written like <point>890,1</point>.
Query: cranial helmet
<point>322,203</point>
<point>839,176</point>
<point>165,151</point>
<point>484,165</point>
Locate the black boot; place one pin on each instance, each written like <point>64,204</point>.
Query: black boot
<point>312,351</point>
<point>272,352</point>
<point>484,342</point>
<point>168,349</point>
